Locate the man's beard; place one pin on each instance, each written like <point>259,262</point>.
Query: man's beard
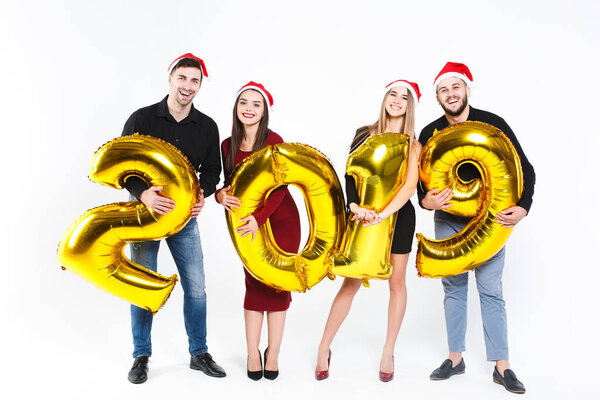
<point>460,109</point>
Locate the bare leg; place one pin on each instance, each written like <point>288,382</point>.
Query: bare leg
<point>455,358</point>
<point>396,309</point>
<point>254,320</point>
<point>502,365</point>
<point>337,314</point>
<point>275,323</point>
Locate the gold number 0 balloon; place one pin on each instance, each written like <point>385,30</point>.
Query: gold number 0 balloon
<point>501,186</point>
<point>253,180</point>
<point>379,168</point>
<point>93,245</point>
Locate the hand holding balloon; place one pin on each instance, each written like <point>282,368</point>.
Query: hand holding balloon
<point>361,214</point>
<point>379,217</point>
<point>227,200</point>
<point>156,202</point>
<point>511,216</point>
<point>437,201</point>
<point>198,206</point>
<point>251,227</point>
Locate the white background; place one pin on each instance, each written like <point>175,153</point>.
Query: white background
<point>73,71</point>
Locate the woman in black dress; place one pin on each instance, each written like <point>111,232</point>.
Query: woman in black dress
<point>397,114</point>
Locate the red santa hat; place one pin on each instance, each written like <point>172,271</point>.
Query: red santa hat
<point>412,87</point>
<point>457,70</point>
<point>189,55</point>
<point>259,88</point>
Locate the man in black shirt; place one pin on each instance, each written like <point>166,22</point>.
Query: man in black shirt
<point>176,121</point>
<point>452,87</point>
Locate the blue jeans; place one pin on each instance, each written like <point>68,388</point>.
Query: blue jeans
<point>186,250</point>
<point>489,285</point>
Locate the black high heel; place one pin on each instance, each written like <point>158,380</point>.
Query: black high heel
<point>255,375</point>
<point>268,373</point>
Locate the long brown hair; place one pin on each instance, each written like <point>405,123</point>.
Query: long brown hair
<point>238,134</point>
<point>408,125</point>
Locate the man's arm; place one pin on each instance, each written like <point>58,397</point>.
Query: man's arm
<point>210,169</point>
<point>134,184</point>
<point>511,216</point>
<point>528,171</point>
<point>137,186</point>
<point>432,200</point>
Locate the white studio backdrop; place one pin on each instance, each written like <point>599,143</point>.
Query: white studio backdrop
<point>73,71</point>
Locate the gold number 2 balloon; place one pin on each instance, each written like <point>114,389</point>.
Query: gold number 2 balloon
<point>379,168</point>
<point>501,186</point>
<point>253,180</point>
<point>93,245</point>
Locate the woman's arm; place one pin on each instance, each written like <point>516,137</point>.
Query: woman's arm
<point>271,204</point>
<point>276,196</point>
<point>221,195</point>
<point>407,190</point>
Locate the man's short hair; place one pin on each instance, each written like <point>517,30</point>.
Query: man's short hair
<point>187,62</point>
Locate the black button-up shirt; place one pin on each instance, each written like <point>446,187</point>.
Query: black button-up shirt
<point>196,136</point>
<point>468,171</point>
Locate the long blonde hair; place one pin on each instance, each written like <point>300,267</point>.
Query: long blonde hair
<point>408,125</point>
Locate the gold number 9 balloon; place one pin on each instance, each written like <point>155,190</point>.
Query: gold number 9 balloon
<point>93,245</point>
<point>253,180</point>
<point>379,168</point>
<point>501,186</point>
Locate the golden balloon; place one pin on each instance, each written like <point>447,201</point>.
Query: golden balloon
<point>492,153</point>
<point>253,180</point>
<point>93,245</point>
<point>379,168</point>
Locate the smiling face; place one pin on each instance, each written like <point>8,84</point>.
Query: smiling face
<point>184,83</point>
<point>250,107</point>
<point>452,94</point>
<point>396,101</point>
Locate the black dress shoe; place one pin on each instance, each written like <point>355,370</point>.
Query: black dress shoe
<point>445,370</point>
<point>255,375</point>
<point>139,371</point>
<point>509,381</point>
<point>269,374</point>
<point>204,362</point>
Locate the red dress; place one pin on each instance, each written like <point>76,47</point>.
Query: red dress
<point>283,216</point>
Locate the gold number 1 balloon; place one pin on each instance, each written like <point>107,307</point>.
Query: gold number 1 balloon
<point>379,168</point>
<point>501,186</point>
<point>93,245</point>
<point>252,181</point>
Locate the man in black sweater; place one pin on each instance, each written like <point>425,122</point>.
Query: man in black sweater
<point>176,121</point>
<point>452,87</point>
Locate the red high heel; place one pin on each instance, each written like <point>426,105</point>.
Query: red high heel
<point>320,375</point>
<point>386,376</point>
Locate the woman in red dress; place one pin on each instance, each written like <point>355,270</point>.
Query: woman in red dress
<point>250,133</point>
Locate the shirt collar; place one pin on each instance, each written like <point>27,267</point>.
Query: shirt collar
<point>163,111</point>
<point>446,123</point>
